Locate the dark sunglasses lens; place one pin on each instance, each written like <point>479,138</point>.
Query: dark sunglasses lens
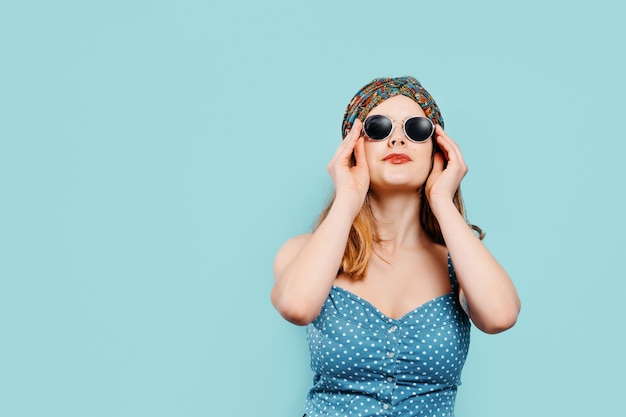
<point>419,129</point>
<point>377,127</point>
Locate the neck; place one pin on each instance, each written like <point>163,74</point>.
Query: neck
<point>397,220</point>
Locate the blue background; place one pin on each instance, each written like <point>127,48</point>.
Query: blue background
<point>155,155</point>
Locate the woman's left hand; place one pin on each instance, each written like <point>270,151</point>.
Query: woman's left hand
<point>485,287</point>
<point>442,182</point>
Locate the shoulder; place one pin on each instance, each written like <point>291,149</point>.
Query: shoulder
<point>294,244</point>
<point>288,251</point>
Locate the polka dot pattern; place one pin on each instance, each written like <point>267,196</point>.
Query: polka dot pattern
<point>368,364</point>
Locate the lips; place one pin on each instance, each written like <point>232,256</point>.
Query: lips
<point>397,158</point>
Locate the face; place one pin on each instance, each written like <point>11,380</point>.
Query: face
<point>397,163</point>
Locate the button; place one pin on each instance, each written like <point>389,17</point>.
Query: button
<point>393,329</point>
<point>389,379</point>
<point>390,354</point>
<point>386,406</point>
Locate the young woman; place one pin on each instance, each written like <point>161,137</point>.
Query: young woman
<point>390,278</point>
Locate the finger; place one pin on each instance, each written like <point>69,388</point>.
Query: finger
<point>354,133</point>
<point>359,152</point>
<point>346,147</point>
<point>440,131</point>
<point>443,148</point>
<point>450,148</point>
<point>437,164</point>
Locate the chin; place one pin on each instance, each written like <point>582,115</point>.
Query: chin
<point>397,185</point>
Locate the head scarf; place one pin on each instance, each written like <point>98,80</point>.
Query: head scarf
<point>381,89</point>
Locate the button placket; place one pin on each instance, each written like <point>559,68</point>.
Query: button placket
<point>392,331</point>
<point>388,385</point>
<point>393,343</point>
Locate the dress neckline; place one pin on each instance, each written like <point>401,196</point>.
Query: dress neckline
<point>385,317</point>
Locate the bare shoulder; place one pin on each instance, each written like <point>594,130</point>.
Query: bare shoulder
<point>288,251</point>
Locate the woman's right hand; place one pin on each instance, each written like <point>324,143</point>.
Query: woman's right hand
<point>351,182</point>
<point>306,266</point>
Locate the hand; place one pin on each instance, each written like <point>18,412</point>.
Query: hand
<point>443,183</point>
<point>350,181</point>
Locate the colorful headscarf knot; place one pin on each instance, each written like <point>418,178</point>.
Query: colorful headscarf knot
<point>381,89</point>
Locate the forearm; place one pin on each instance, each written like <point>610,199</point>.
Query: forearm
<point>491,296</point>
<point>302,286</point>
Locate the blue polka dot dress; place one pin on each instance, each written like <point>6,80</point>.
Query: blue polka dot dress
<point>368,364</point>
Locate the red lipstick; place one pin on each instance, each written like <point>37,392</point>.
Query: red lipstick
<point>397,158</point>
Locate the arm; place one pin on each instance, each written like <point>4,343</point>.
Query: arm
<point>306,266</point>
<point>486,289</point>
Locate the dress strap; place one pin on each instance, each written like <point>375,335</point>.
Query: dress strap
<point>452,274</point>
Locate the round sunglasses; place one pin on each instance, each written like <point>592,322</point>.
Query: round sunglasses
<point>416,128</point>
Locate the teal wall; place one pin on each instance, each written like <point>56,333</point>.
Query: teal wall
<point>154,156</point>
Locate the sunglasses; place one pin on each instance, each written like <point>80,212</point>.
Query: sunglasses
<point>416,128</point>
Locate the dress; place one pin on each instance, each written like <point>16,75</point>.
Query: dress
<point>368,364</point>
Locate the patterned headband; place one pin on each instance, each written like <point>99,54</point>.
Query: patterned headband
<point>381,89</point>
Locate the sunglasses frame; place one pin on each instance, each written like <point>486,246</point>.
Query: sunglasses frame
<point>393,126</point>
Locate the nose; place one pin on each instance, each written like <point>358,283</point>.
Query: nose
<point>397,135</point>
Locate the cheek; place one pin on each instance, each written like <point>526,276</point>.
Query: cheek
<point>371,151</point>
<point>425,154</point>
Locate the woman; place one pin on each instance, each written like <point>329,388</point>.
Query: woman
<point>388,281</point>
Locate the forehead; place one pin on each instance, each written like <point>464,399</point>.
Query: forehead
<point>398,107</point>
